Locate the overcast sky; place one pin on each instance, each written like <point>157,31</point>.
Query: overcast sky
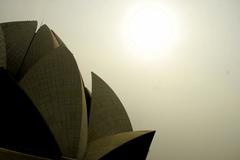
<point>189,92</point>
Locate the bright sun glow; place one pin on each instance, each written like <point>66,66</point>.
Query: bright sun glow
<point>150,29</point>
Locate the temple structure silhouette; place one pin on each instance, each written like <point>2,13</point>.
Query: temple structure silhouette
<point>47,113</point>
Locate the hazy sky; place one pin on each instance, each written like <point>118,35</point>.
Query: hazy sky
<point>189,91</point>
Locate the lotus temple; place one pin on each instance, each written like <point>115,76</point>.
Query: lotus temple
<point>46,111</point>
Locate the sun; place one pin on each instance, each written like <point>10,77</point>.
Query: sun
<point>150,28</point>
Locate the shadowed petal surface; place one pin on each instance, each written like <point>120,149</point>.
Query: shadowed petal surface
<point>3,58</point>
<point>54,85</point>
<point>122,146</point>
<point>18,36</point>
<point>6,154</point>
<point>107,115</point>
<point>23,128</point>
<point>43,42</point>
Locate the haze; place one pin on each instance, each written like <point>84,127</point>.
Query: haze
<point>188,91</point>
